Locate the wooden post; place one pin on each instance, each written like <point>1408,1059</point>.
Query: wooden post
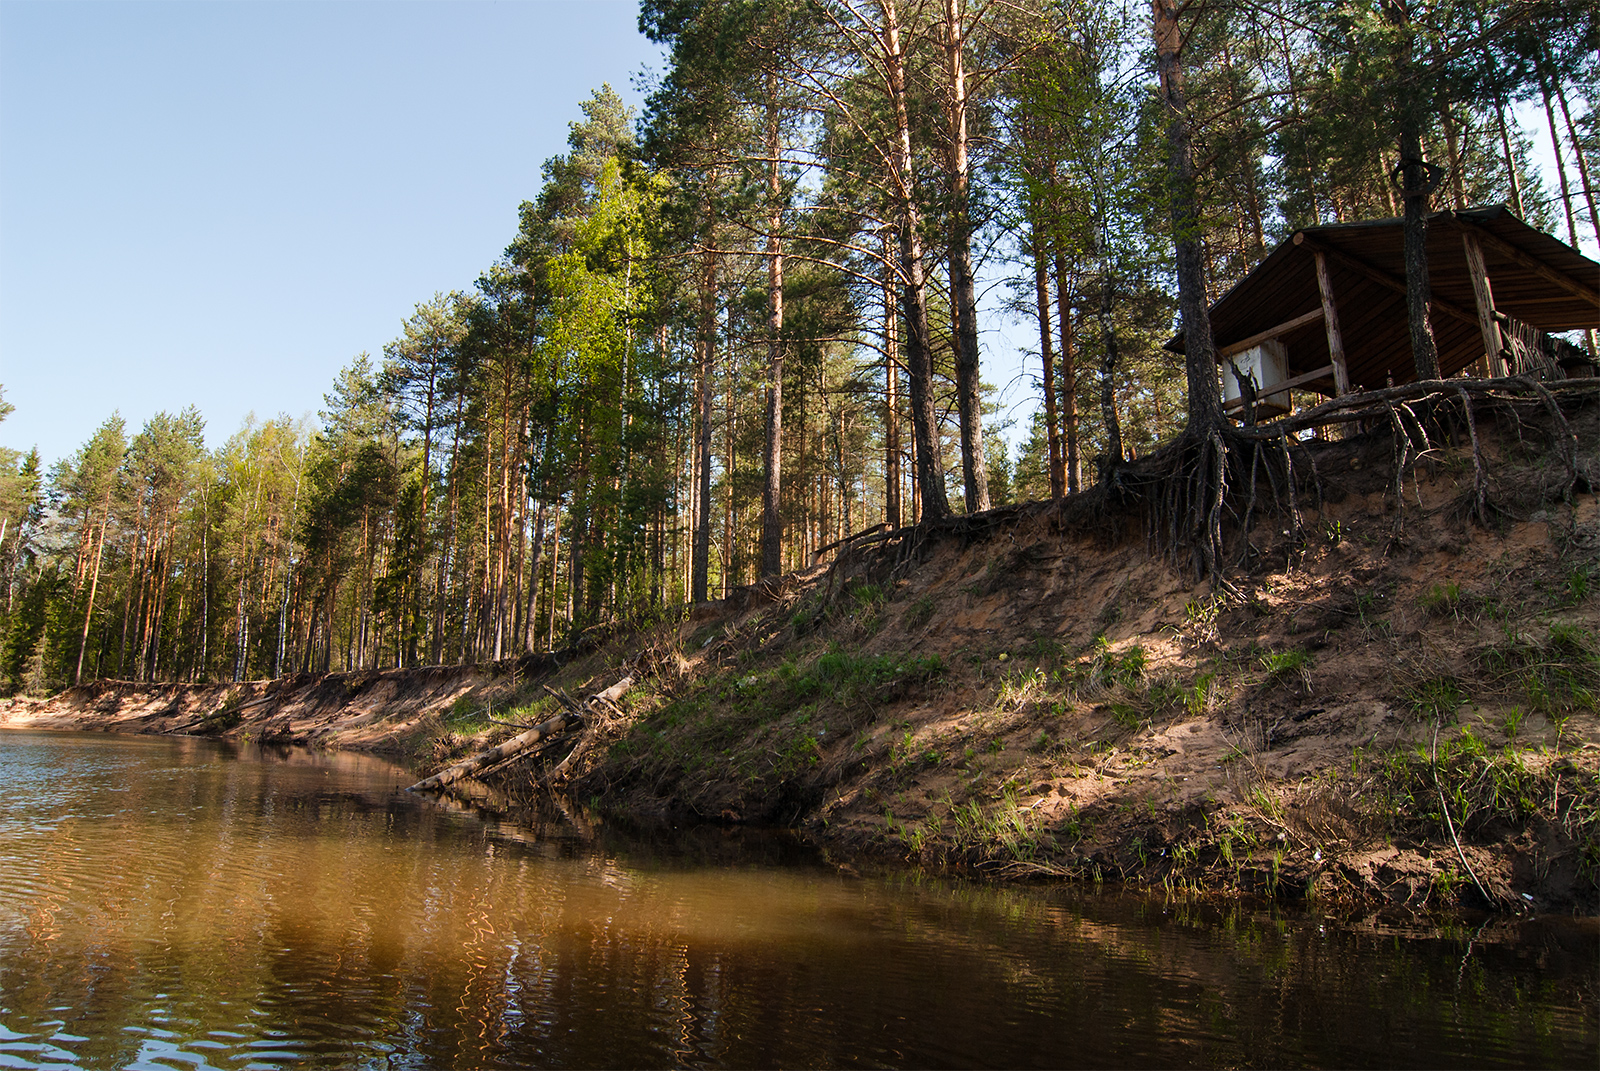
<point>1483,297</point>
<point>1330,320</point>
<point>1516,256</point>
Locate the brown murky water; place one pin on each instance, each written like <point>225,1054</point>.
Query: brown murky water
<point>179,903</point>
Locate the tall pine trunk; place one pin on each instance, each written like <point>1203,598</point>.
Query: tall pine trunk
<point>963,292</point>
<point>705,354</point>
<point>914,290</point>
<point>771,516</point>
<point>1069,375</point>
<point>1041,293</point>
<point>1583,163</point>
<point>94,585</point>
<point>1109,359</point>
<point>1418,178</point>
<point>1200,365</point>
<point>891,392</point>
<point>1561,163</point>
<point>447,545</point>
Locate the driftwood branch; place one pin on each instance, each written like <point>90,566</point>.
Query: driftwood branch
<point>606,700</point>
<point>545,729</point>
<point>542,747</point>
<point>564,699</point>
<point>568,719</point>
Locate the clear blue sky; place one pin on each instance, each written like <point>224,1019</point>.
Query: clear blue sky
<point>219,204</point>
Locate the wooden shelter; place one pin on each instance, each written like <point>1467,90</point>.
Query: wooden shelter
<point>1333,299</point>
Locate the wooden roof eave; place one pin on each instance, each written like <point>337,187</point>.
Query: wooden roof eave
<point>1533,278</point>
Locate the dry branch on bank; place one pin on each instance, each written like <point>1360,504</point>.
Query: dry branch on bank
<point>575,716</point>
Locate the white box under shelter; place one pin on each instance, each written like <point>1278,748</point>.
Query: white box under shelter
<point>1266,366</point>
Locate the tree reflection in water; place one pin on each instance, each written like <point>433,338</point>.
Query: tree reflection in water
<point>168,901</point>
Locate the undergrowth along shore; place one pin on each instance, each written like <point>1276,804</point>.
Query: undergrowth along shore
<point>818,731</point>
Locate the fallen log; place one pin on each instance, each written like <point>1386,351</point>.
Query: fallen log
<point>545,729</point>
<point>568,719</point>
<point>615,692</point>
<point>606,700</point>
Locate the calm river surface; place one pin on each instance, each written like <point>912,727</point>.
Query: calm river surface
<point>182,903</point>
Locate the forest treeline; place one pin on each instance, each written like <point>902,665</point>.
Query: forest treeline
<point>746,323</point>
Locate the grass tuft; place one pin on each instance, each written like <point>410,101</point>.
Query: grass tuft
<point>1283,665</point>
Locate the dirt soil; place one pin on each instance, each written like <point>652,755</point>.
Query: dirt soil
<point>1390,700</point>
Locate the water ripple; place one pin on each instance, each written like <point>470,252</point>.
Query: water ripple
<point>173,904</point>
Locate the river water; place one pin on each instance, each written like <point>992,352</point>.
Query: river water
<point>183,903</point>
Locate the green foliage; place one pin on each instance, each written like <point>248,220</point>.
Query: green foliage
<point>866,607</point>
<point>841,676</point>
<point>867,596</point>
<point>1558,674</point>
<point>1579,582</point>
<point>1280,665</point>
<point>1003,829</point>
<point>33,664</point>
<point>806,616</point>
<point>1126,715</point>
<point>1107,668</point>
<point>1511,724</point>
<point>1442,599</point>
<point>1488,792</point>
<point>1436,698</point>
<point>775,722</point>
<point>1018,688</point>
<point>920,612</point>
<point>1200,619</point>
<point>1197,699</point>
<point>1193,699</point>
<point>466,711</point>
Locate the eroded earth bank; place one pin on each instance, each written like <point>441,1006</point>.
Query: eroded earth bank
<point>1387,700</point>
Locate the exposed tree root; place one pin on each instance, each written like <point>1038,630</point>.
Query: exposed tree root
<point>1192,488</point>
<point>1212,485</point>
